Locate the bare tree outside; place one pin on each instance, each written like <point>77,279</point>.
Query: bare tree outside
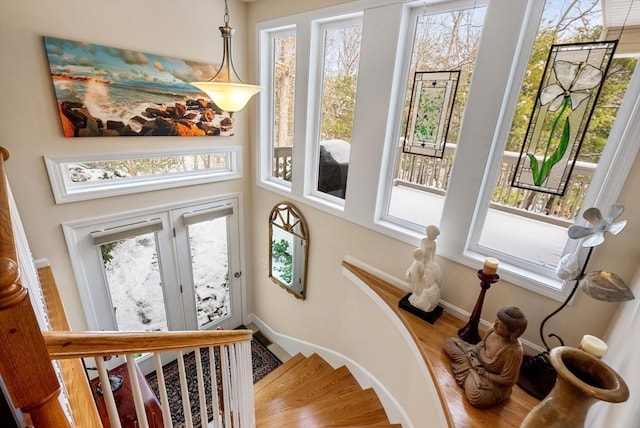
<point>444,42</point>
<point>284,77</point>
<point>340,78</point>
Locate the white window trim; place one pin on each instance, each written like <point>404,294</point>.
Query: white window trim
<point>64,191</point>
<point>377,123</point>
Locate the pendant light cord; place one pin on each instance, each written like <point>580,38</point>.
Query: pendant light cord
<point>624,24</point>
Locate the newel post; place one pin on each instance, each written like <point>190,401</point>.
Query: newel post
<point>24,361</point>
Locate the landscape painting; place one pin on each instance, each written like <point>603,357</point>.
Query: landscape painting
<point>108,92</point>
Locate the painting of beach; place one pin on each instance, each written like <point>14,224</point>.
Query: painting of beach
<point>108,92</point>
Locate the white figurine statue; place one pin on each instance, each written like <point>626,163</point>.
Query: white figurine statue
<point>428,244</point>
<point>426,291</point>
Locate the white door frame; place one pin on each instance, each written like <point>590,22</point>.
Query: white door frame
<point>92,286</point>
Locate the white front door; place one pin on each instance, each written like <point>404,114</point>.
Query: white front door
<point>176,268</point>
<point>208,250</point>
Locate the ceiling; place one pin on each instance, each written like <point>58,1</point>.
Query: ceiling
<point>615,12</point>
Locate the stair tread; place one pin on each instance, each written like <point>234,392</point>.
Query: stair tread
<point>279,371</point>
<point>307,392</point>
<point>358,407</point>
<point>382,425</point>
<point>338,381</point>
<point>297,375</point>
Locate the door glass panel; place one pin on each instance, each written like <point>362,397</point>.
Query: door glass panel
<point>134,283</point>
<point>208,246</point>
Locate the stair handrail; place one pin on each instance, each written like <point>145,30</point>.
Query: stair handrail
<point>71,344</point>
<point>233,348</point>
<point>24,361</point>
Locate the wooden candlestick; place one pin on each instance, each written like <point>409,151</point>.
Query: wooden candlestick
<point>469,333</point>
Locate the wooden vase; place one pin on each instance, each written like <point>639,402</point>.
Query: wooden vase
<point>582,380</point>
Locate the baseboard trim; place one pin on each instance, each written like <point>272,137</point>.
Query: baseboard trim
<point>292,346</point>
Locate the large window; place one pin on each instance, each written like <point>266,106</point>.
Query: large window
<point>527,214</point>
<point>283,57</point>
<point>441,41</point>
<point>500,49</point>
<point>339,78</point>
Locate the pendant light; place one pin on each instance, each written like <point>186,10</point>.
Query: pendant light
<point>227,95</point>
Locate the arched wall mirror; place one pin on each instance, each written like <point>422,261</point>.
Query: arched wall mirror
<point>288,249</point>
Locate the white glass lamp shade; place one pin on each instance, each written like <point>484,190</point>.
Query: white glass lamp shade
<point>230,97</point>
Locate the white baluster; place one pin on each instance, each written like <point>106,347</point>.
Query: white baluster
<point>204,417</point>
<point>226,384</point>
<point>110,403</point>
<point>135,390</point>
<point>186,404</point>
<point>215,402</point>
<point>248,413</point>
<point>162,388</point>
<point>235,386</point>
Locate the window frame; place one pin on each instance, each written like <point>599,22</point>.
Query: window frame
<point>266,136</point>
<point>506,45</point>
<point>64,191</point>
<point>393,147</point>
<point>318,45</point>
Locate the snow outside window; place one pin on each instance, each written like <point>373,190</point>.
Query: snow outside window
<point>82,177</point>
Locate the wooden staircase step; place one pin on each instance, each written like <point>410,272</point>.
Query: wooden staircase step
<point>277,372</point>
<point>306,392</point>
<point>366,426</point>
<point>352,408</point>
<point>339,381</point>
<point>297,375</point>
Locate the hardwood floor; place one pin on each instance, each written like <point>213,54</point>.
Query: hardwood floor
<point>306,392</point>
<point>430,339</point>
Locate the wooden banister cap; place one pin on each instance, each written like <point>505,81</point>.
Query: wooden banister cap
<point>10,292</point>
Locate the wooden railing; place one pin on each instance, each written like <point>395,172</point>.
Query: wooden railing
<point>27,352</point>
<point>432,175</point>
<point>24,362</point>
<point>229,371</point>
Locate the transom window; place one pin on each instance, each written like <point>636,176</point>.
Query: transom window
<point>81,177</point>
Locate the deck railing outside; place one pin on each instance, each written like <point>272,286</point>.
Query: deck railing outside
<point>432,175</point>
<point>282,162</point>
